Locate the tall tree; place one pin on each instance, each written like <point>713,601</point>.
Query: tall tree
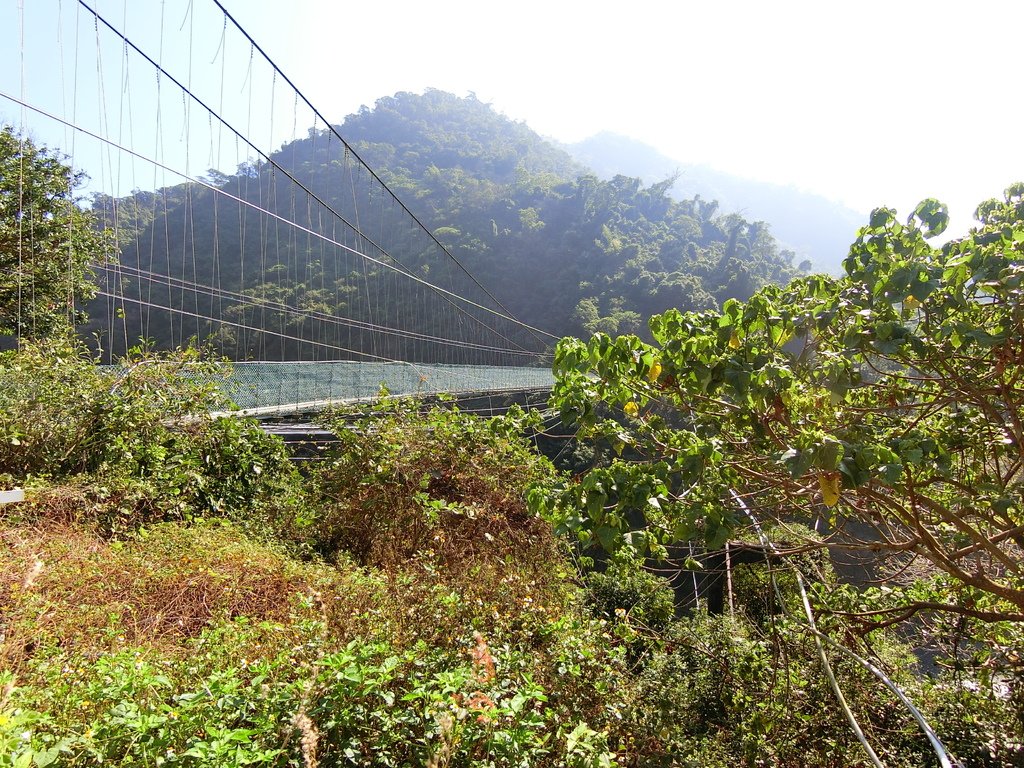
<point>47,241</point>
<point>888,406</point>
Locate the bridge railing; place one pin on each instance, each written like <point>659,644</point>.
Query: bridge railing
<point>270,387</point>
<point>266,388</point>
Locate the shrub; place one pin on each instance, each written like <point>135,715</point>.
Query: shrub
<point>976,722</point>
<point>365,703</point>
<point>435,484</point>
<point>137,445</point>
<point>723,691</point>
<point>50,402</point>
<point>625,590</point>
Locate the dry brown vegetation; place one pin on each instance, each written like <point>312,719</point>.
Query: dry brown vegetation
<point>64,586</point>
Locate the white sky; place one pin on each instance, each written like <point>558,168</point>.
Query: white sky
<point>865,102</point>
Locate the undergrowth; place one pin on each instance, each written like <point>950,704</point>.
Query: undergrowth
<point>174,592</point>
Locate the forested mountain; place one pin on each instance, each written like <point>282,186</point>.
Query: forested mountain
<point>815,227</point>
<point>559,247</point>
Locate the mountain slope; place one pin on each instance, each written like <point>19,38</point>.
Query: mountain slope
<point>814,227</point>
<point>560,248</point>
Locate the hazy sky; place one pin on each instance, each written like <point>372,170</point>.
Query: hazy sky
<point>866,102</point>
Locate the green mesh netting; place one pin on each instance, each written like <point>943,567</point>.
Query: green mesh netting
<point>266,385</point>
<point>284,386</point>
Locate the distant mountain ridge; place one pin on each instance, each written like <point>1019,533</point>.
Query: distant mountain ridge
<point>812,226</point>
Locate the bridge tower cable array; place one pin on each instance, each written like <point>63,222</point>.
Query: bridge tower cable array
<point>303,264</point>
<point>539,333</point>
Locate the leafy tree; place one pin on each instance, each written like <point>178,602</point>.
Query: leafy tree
<point>888,406</point>
<point>46,241</point>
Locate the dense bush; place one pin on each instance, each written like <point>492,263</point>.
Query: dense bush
<point>364,704</point>
<point>398,606</point>
<point>438,485</point>
<point>624,590</point>
<point>135,443</point>
<point>723,691</point>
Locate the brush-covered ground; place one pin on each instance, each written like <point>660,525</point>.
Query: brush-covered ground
<point>175,592</point>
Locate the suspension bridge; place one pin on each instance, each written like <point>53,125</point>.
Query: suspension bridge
<point>240,219</point>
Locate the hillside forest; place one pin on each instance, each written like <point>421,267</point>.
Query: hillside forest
<point>814,226</point>
<point>767,518</point>
<point>556,245</point>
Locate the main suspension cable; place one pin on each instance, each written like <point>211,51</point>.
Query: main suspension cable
<point>377,178</point>
<point>447,295</point>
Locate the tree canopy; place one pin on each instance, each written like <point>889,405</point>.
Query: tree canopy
<point>886,406</point>
<point>46,240</point>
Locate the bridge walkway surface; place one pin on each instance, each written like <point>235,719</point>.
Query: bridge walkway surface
<point>269,388</point>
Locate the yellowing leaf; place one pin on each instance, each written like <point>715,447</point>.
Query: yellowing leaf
<point>911,302</point>
<point>654,373</point>
<point>734,341</point>
<point>632,409</point>
<point>831,487</point>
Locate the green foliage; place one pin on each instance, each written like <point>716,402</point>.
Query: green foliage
<point>723,691</point>
<point>47,242</point>
<point>137,439</point>
<point>981,723</point>
<point>626,591</point>
<point>883,409</point>
<point>404,483</point>
<point>891,399</point>
<point>365,704</point>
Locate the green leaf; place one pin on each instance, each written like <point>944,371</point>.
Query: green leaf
<point>855,474</point>
<point>933,216</point>
<point>607,536</point>
<point>828,454</point>
<point>880,218</point>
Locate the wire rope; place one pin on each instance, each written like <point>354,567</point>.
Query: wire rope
<point>933,739</point>
<point>349,152</point>
<point>244,300</point>
<point>374,175</point>
<point>249,205</point>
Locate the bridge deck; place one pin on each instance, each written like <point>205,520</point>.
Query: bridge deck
<point>267,388</point>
